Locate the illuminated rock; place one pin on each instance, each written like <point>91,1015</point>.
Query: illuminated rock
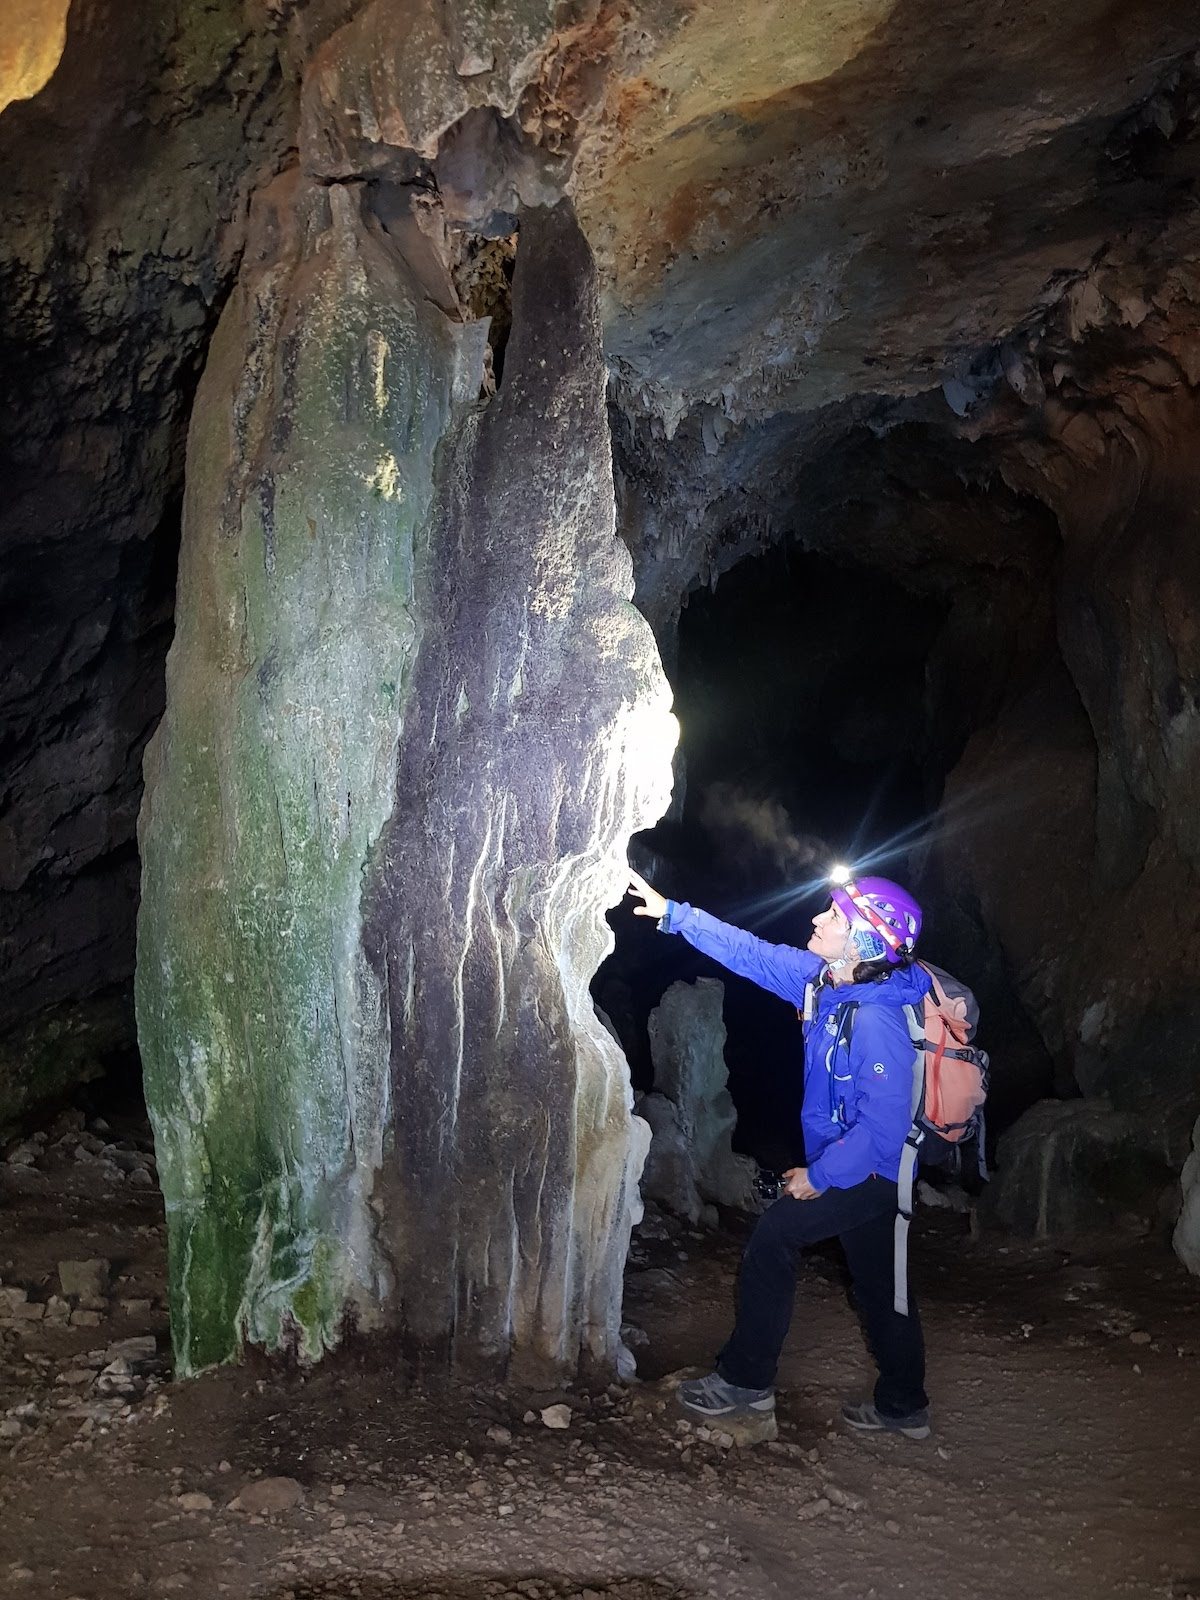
<point>412,720</point>
<point>31,46</point>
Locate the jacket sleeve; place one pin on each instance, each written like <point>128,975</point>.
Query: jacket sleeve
<point>881,1062</point>
<point>781,968</point>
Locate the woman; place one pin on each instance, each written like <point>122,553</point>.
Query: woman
<point>853,982</point>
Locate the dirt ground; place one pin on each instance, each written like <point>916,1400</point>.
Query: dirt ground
<point>1065,1460</point>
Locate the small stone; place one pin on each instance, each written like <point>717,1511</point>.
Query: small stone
<point>814,1508</point>
<point>136,1308</point>
<point>499,1435</point>
<point>1139,1336</point>
<point>505,1511</point>
<point>891,1525</point>
<point>530,1416</point>
<point>138,1350</point>
<point>29,1311</point>
<point>81,1318</point>
<point>848,1502</point>
<point>23,1154</point>
<point>194,1501</point>
<point>268,1496</point>
<point>224,1466</point>
<point>474,62</point>
<point>558,1416</point>
<point>337,1490</point>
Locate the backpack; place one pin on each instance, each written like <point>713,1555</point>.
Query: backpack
<point>950,1074</point>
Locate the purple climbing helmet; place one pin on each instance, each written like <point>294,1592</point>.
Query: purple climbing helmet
<point>884,919</point>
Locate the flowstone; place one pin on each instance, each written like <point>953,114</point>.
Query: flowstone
<point>538,738</point>
<point>412,718</point>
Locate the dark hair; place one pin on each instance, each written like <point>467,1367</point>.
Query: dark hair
<point>875,971</point>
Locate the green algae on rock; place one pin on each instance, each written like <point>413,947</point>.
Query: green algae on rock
<point>328,389</point>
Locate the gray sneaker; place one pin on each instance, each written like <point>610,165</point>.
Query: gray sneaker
<point>713,1397</point>
<point>866,1419</point>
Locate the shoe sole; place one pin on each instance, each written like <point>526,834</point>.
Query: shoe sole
<point>763,1410</point>
<point>923,1432</point>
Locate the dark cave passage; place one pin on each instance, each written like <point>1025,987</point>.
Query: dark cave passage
<point>821,713</point>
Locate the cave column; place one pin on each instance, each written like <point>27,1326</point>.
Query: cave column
<point>412,719</point>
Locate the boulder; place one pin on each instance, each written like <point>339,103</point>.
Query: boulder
<point>1069,1167</point>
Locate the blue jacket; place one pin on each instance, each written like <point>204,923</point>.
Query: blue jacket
<point>857,1093</point>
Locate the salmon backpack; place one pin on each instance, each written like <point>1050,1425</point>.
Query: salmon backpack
<point>950,1074</point>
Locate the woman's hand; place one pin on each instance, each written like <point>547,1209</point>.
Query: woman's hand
<point>654,904</point>
<point>797,1185</point>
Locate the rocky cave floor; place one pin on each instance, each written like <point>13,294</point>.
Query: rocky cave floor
<point>1065,1460</point>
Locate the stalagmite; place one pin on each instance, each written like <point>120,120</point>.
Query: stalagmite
<point>691,1166</point>
<point>412,719</point>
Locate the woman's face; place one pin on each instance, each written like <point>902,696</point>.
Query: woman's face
<point>831,933</point>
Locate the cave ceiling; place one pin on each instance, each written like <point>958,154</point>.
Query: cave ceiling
<point>796,204</point>
<point>811,222</point>
<point>790,204</point>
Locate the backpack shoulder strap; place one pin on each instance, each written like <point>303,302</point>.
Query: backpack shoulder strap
<point>906,1179</point>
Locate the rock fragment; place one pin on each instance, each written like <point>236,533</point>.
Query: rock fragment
<point>194,1500</point>
<point>85,1282</point>
<point>268,1496</point>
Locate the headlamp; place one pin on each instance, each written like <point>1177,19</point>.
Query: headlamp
<point>840,875</point>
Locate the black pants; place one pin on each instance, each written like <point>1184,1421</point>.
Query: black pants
<point>863,1219</point>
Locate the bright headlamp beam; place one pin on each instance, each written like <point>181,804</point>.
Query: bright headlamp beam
<point>840,874</point>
